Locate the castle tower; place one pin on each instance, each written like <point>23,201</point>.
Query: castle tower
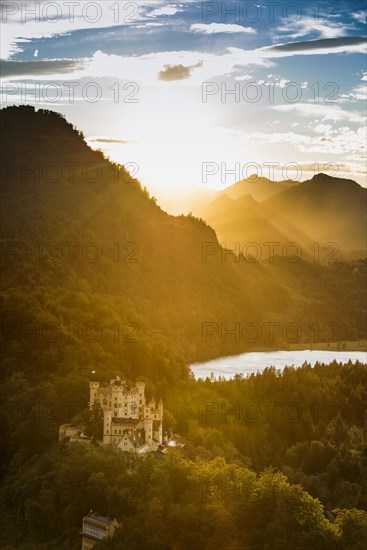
<point>160,429</point>
<point>148,427</point>
<point>107,427</point>
<point>93,390</point>
<point>141,389</point>
<point>160,433</point>
<point>116,398</point>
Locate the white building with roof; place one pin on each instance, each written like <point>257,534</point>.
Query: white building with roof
<point>97,528</point>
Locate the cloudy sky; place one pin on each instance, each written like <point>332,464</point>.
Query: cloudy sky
<point>198,93</point>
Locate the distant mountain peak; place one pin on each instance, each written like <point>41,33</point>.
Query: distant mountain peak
<point>255,178</point>
<point>321,177</point>
<point>259,187</point>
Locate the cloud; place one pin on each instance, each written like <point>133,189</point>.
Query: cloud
<point>40,68</point>
<point>107,140</point>
<point>322,129</point>
<point>358,93</point>
<point>215,28</point>
<point>344,142</point>
<point>177,72</point>
<point>353,44</point>
<point>332,112</point>
<point>325,45</point>
<point>19,26</point>
<point>168,10</point>
<point>309,25</point>
<point>243,77</point>
<point>180,65</point>
<point>360,16</point>
<point>169,65</point>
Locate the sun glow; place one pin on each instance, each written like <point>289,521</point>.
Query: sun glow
<point>170,135</point>
<point>173,136</point>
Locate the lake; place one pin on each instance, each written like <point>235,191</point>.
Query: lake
<point>247,363</point>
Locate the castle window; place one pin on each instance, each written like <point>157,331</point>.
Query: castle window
<point>115,405</point>
<point>107,431</point>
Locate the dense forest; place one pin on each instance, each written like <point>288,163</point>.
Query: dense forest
<point>268,461</point>
<point>95,276</point>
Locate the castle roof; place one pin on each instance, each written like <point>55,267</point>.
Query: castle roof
<point>121,421</point>
<point>126,389</point>
<point>99,519</point>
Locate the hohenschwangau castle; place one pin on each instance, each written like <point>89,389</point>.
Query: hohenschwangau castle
<point>128,421</point>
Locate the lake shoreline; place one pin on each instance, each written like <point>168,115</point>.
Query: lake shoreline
<point>343,345</point>
<point>257,361</point>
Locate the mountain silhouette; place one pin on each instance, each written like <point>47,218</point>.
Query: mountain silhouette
<point>259,187</point>
<point>322,210</point>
